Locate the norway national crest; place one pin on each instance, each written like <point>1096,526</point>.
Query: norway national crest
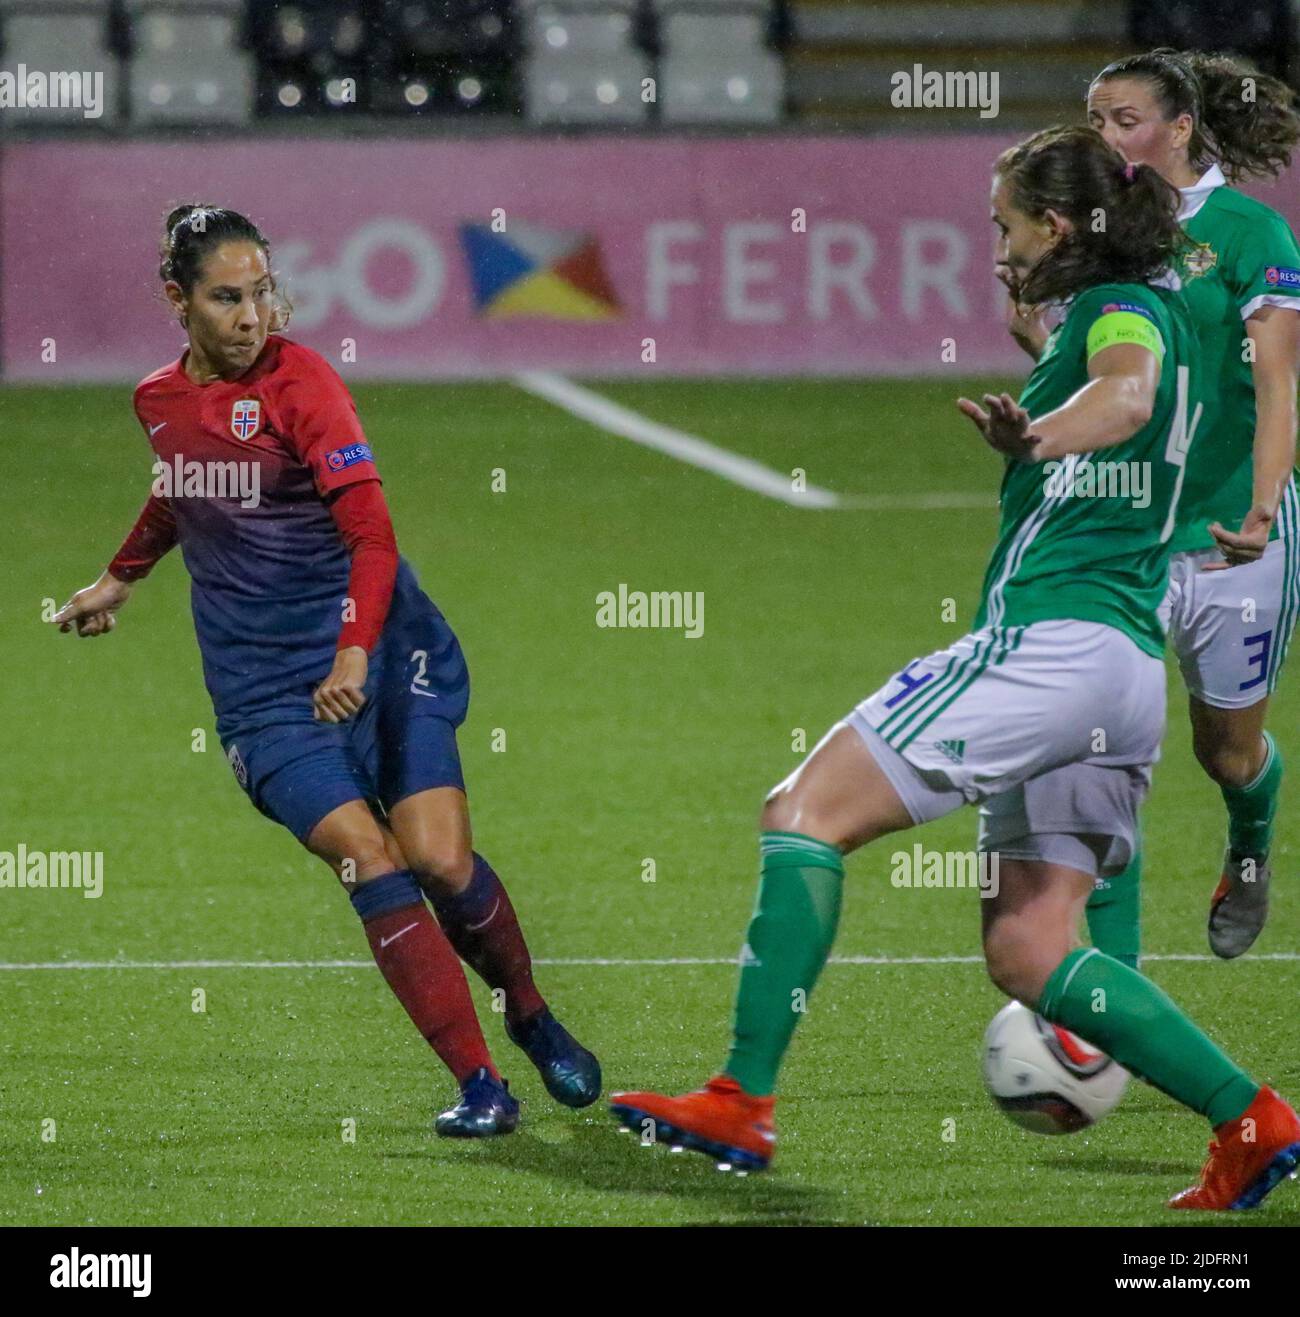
<point>246,418</point>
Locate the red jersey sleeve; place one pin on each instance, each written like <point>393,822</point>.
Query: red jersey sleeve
<point>361,514</point>
<point>319,423</point>
<point>153,534</point>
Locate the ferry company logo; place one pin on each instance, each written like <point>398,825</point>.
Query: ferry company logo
<point>541,273</point>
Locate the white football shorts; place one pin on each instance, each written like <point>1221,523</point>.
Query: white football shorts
<point>1230,629</point>
<point>1051,728</point>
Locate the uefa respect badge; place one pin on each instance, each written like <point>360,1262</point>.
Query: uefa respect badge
<point>1282,276</point>
<point>342,458</point>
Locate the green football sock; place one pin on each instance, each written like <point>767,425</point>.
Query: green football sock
<point>1251,808</point>
<point>1115,914</point>
<point>1124,1014</point>
<point>790,936</point>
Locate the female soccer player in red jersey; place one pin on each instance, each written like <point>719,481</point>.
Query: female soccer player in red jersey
<point>337,684</point>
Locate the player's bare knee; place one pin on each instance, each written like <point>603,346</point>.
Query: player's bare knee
<point>442,869</point>
<point>394,851</point>
<point>778,809</point>
<point>1012,961</point>
<point>1228,765</point>
<point>790,808</point>
<point>363,865</point>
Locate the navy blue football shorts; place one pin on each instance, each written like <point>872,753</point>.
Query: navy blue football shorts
<point>296,770</point>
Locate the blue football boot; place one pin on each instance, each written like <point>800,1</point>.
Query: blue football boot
<point>570,1072</point>
<point>485,1108</point>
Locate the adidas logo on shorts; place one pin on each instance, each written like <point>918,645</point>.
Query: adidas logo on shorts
<point>954,750</point>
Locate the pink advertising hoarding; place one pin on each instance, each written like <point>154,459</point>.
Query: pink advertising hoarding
<point>778,255</point>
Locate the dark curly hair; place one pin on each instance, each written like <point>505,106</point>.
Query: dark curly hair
<point>1124,217</point>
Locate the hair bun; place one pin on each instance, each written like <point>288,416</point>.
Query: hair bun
<point>181,213</point>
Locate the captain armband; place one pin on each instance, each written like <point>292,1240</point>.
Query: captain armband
<point>1122,323</point>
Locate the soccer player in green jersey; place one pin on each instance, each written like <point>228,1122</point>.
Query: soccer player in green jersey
<point>1048,715</point>
<point>1204,122</point>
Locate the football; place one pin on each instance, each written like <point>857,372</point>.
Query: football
<point>1045,1078</point>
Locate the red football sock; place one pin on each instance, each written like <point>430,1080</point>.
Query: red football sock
<point>482,925</point>
<point>424,973</point>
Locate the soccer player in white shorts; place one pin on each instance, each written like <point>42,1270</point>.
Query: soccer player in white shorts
<point>1051,729</point>
<point>1048,715</point>
<point>1185,114</point>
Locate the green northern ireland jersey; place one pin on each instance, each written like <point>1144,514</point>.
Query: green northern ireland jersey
<point>1088,537</point>
<point>1244,256</point>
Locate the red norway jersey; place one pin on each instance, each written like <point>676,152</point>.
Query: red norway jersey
<point>247,465</point>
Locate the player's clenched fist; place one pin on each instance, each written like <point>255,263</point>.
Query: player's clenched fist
<point>341,695</point>
<point>91,610</point>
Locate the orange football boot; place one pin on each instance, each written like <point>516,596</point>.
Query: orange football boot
<point>1247,1160</point>
<point>720,1120</point>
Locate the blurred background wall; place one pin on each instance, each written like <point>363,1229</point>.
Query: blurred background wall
<point>473,187</point>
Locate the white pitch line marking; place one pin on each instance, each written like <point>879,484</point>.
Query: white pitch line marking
<point>616,419</point>
<point>19,966</point>
<point>917,503</point>
<point>613,417</point>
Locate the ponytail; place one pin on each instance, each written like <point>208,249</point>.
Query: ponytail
<point>1124,218</point>
<point>1249,119</point>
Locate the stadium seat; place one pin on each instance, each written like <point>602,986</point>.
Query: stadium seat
<point>457,29</point>
<point>716,66</point>
<point>61,36</point>
<point>445,55</point>
<point>584,66</point>
<point>186,65</point>
<point>313,56</point>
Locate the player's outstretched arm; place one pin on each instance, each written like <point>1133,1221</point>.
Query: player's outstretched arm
<point>1113,406</point>
<point>92,610</point>
<point>1274,332</point>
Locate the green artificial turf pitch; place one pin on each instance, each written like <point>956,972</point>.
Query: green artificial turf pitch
<point>621,746</point>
